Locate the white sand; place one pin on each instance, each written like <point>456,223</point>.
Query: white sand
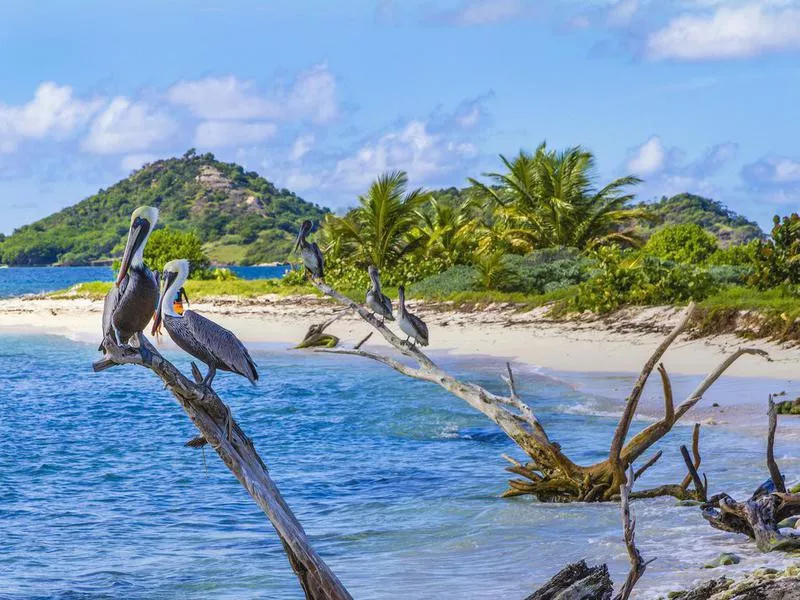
<point>620,344</point>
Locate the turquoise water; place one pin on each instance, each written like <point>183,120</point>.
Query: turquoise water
<point>396,482</point>
<point>16,281</point>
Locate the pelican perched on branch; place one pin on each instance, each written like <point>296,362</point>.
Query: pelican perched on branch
<point>411,325</point>
<point>309,251</point>
<point>132,300</point>
<point>377,301</point>
<point>208,342</point>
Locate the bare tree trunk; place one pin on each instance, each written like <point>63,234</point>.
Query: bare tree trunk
<point>550,475</point>
<point>213,419</point>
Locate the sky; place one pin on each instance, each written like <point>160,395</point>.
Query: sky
<point>320,97</point>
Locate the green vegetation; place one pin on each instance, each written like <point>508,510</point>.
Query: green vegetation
<point>687,243</point>
<point>548,199</point>
<point>540,230</point>
<point>727,226</point>
<point>195,193</point>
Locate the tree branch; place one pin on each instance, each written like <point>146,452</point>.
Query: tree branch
<point>774,471</point>
<point>213,419</point>
<point>624,425</point>
<point>638,564</point>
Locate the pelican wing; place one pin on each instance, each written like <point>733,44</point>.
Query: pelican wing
<point>112,300</point>
<point>421,328</point>
<point>220,343</point>
<point>387,305</point>
<point>320,261</point>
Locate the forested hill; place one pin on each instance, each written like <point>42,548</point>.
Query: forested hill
<point>240,216</point>
<point>712,215</point>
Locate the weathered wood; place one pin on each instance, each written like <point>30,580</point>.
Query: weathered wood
<point>638,564</point>
<point>759,516</point>
<point>213,420</point>
<point>556,477</point>
<point>577,582</point>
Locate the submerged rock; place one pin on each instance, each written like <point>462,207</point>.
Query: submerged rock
<point>789,522</point>
<point>723,560</point>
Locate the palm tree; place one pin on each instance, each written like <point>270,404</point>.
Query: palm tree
<point>548,198</point>
<point>379,231</point>
<point>446,229</point>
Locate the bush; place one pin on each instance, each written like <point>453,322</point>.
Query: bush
<point>545,271</point>
<point>777,261</point>
<point>460,278</point>
<point>167,244</point>
<point>626,277</point>
<point>730,274</point>
<point>687,244</point>
<point>739,255</point>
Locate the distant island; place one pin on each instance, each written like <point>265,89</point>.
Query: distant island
<point>243,219</point>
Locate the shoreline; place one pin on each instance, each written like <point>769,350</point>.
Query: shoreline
<point>619,343</point>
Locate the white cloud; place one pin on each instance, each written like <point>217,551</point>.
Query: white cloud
<point>772,171</point>
<point>302,146</point>
<point>481,12</point>
<point>423,155</point>
<point>737,31</point>
<point>649,158</point>
<point>128,127</point>
<point>53,111</point>
<point>219,134</point>
<point>312,97</point>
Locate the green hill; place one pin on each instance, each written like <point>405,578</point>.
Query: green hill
<point>241,217</point>
<point>729,227</point>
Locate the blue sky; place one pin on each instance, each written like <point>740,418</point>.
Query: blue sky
<point>320,97</point>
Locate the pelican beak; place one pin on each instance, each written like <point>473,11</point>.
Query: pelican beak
<point>304,229</point>
<point>136,237</point>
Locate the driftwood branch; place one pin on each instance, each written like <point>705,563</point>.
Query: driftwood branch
<point>774,471</point>
<point>759,517</point>
<point>213,420</point>
<point>638,564</point>
<point>550,475</point>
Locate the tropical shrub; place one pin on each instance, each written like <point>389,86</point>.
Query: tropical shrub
<point>460,278</point>
<point>777,261</point>
<point>740,255</point>
<point>686,243</point>
<point>545,271</point>
<point>626,277</point>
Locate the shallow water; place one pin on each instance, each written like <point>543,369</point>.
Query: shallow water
<point>15,281</point>
<point>396,482</point>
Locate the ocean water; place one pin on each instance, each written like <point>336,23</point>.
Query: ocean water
<point>15,281</point>
<point>396,482</point>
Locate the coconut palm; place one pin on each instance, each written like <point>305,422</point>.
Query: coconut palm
<point>548,198</point>
<point>379,231</point>
<point>446,229</point>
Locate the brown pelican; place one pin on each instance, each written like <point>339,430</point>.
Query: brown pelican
<point>210,343</point>
<point>132,300</point>
<point>378,302</point>
<point>310,252</point>
<point>411,325</point>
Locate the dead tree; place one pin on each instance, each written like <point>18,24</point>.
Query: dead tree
<point>550,474</point>
<point>759,516</point>
<point>213,419</point>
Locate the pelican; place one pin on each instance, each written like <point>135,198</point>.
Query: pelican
<point>208,342</point>
<point>310,252</point>
<point>132,300</point>
<point>378,302</point>
<point>411,325</point>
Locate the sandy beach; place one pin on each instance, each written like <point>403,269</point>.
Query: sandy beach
<point>620,343</point>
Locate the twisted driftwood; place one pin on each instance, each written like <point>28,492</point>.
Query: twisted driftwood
<point>213,419</point>
<point>759,516</point>
<point>550,475</point>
